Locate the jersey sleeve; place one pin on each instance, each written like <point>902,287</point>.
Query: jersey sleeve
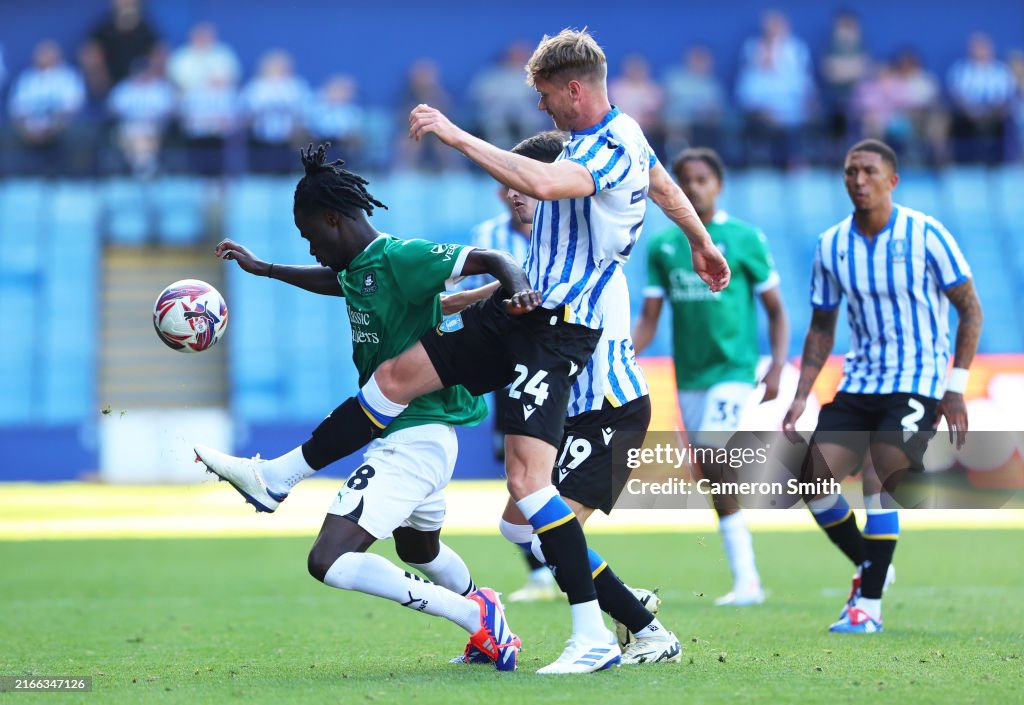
<point>422,268</point>
<point>759,264</point>
<point>655,288</point>
<point>607,160</point>
<point>945,260</point>
<point>825,290</point>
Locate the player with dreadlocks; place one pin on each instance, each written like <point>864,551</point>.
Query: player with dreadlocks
<point>391,288</point>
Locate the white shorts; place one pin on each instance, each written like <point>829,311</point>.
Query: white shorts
<point>401,481</point>
<point>714,410</point>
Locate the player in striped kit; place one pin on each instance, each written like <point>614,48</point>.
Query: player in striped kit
<point>609,400</point>
<point>899,270</point>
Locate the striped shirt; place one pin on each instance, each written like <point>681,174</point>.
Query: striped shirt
<point>497,233</point>
<point>579,243</point>
<point>612,374</point>
<point>978,84</point>
<point>898,313</point>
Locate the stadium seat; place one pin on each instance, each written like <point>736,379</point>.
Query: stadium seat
<point>180,205</point>
<point>126,211</point>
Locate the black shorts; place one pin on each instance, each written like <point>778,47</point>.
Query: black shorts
<point>901,420</point>
<point>584,470</point>
<point>539,354</point>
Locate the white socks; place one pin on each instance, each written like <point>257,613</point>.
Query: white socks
<point>448,570</point>
<point>872,607</point>
<point>588,622</point>
<point>282,473</point>
<point>739,549</point>
<point>376,575</point>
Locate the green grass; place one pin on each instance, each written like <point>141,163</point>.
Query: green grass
<point>240,621</point>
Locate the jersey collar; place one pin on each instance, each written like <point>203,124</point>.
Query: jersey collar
<point>356,261</point>
<point>888,226</point>
<point>612,114</point>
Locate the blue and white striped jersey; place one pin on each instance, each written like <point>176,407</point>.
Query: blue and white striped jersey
<point>898,313</point>
<point>579,243</point>
<point>497,233</point>
<point>612,374</point>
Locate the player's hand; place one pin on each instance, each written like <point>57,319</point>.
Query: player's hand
<point>711,266</point>
<point>522,302</point>
<point>771,381</point>
<point>796,410</point>
<point>231,250</point>
<point>423,120</point>
<point>954,409</point>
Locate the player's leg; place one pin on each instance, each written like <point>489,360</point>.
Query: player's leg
<point>426,553</point>
<point>400,485</point>
<point>897,448</point>
<point>540,583</point>
<point>265,483</point>
<point>710,417</point>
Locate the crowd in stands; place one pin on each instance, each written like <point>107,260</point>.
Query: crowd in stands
<point>128,103</point>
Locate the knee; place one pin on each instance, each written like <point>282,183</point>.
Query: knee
<point>320,561</point>
<point>387,379</point>
<point>521,482</point>
<point>416,547</point>
<point>519,534</point>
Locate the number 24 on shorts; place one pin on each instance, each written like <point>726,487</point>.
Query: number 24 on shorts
<point>536,387</point>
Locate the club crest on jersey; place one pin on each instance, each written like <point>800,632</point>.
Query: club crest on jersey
<point>450,324</point>
<point>369,283</point>
<point>898,250</point>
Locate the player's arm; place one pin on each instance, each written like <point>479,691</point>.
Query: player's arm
<point>818,344</point>
<point>647,325</point>
<point>708,262</point>
<point>455,302</point>
<point>778,337</point>
<point>319,280</point>
<point>521,297</point>
<point>968,331</point>
<point>541,180</point>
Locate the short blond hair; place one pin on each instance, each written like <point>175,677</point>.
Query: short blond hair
<point>572,52</point>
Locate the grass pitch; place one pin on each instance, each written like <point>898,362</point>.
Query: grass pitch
<point>239,621</point>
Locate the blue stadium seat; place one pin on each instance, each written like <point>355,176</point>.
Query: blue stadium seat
<point>126,207</point>
<point>180,205</point>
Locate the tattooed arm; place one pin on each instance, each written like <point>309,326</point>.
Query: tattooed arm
<point>968,330</point>
<point>817,347</point>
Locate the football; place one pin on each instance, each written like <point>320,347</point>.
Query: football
<point>190,316</point>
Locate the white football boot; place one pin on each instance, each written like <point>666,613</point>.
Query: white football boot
<point>650,600</point>
<point>742,596</point>
<point>660,647</point>
<point>582,656</point>
<point>244,475</point>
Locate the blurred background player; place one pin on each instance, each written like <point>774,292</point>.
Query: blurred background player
<point>609,400</point>
<point>715,341</point>
<point>899,270</point>
<point>391,288</point>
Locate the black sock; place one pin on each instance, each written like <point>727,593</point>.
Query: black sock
<point>565,549</point>
<point>619,601</point>
<point>531,560</point>
<point>345,431</point>
<point>878,556</point>
<point>848,538</point>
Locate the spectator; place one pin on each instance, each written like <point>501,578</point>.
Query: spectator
<point>192,65</point>
<point>423,86</point>
<point>695,103</point>
<point>1016,63</point>
<point>275,102</point>
<point>142,105</point>
<point>981,88</point>
<point>43,100</point>
<point>335,117</point>
<point>775,91</point>
<point>122,37</point>
<point>637,95</point>
<point>208,118</point>
<point>506,108</point>
<point>844,65</point>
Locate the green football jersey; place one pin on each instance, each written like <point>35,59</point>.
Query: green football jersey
<point>391,289</point>
<point>714,334</point>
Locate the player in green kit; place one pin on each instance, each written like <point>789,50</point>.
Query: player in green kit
<point>391,288</point>
<point>714,341</point>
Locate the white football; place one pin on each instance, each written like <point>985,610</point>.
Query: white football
<point>190,316</point>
